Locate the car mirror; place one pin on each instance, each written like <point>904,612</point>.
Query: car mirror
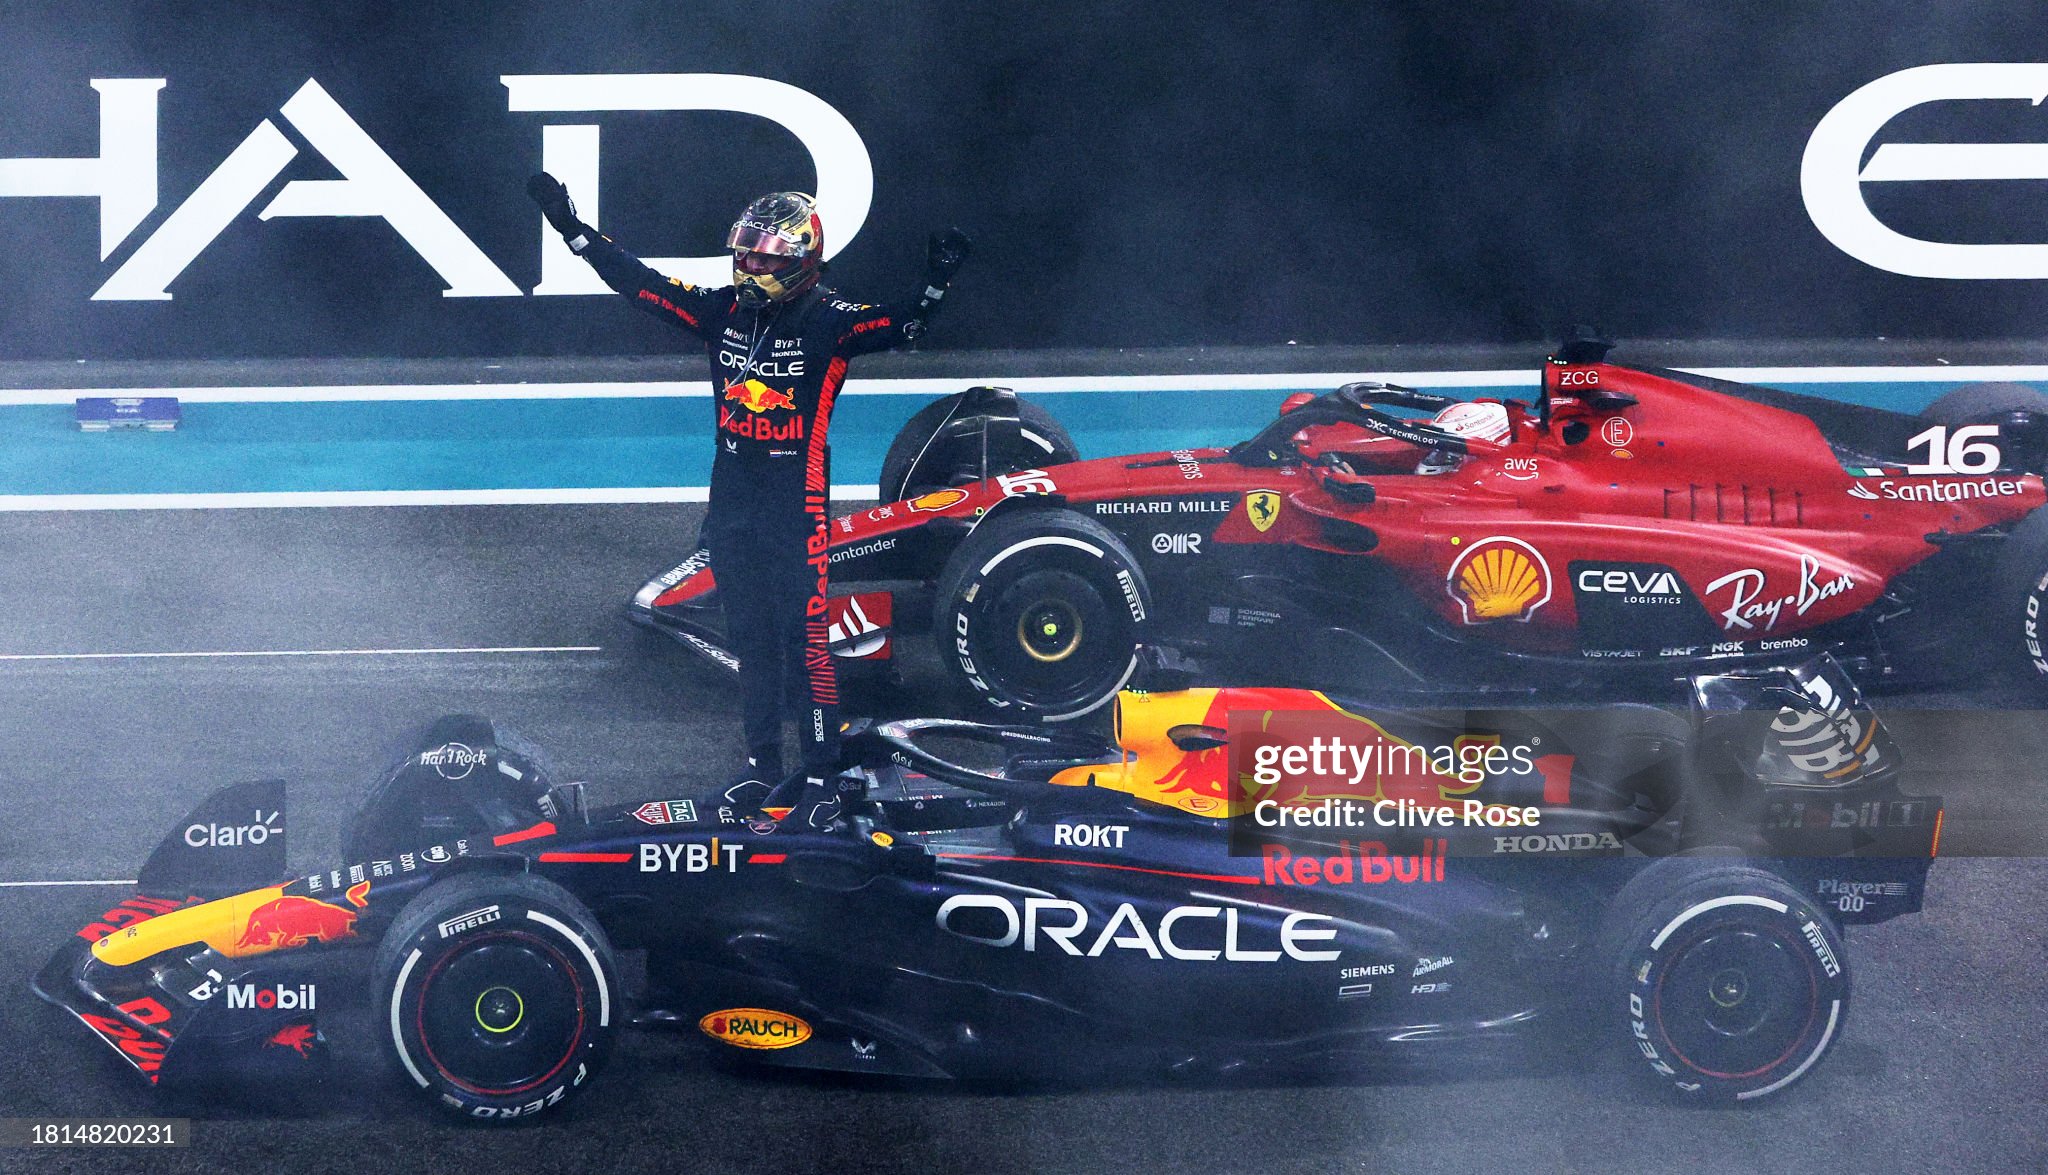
<point>1192,737</point>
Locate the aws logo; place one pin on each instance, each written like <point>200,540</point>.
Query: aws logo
<point>1832,172</point>
<point>123,176</point>
<point>1498,579</point>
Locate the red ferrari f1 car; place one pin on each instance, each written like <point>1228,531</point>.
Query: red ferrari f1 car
<point>1625,529</point>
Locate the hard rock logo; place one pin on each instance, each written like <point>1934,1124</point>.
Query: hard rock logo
<point>1498,579</point>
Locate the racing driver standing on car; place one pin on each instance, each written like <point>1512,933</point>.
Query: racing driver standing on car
<point>779,343</point>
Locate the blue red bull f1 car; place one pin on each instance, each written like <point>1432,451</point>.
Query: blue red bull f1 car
<point>1245,881</point>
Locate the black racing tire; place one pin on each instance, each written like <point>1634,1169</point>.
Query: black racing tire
<point>1043,442</point>
<point>497,995</point>
<point>1040,613</point>
<point>2017,627</point>
<point>1719,979</point>
<point>2019,621</point>
<point>2019,410</point>
<point>1985,402</point>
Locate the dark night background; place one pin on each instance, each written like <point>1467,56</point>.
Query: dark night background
<point>1139,173</point>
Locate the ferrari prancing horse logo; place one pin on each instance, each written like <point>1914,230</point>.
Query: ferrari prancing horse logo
<point>1263,508</point>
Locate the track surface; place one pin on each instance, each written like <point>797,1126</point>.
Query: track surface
<point>1941,1066</point>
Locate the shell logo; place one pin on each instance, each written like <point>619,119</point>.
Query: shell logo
<point>937,500</point>
<point>755,1028</point>
<point>1498,579</point>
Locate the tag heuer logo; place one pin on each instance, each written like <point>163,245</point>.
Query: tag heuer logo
<point>666,812</point>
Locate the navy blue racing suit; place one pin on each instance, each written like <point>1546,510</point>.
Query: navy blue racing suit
<point>775,374</point>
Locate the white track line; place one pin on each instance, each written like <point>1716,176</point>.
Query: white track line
<point>275,499</point>
<point>349,393</point>
<point>1943,373</point>
<point>39,884</point>
<point>1040,385</point>
<point>298,653</point>
<point>698,389</point>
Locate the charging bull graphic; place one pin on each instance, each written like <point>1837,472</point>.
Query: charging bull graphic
<point>755,396</point>
<point>300,1038</point>
<point>288,921</point>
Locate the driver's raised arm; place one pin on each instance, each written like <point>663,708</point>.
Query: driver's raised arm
<point>693,308</point>
<point>878,328</point>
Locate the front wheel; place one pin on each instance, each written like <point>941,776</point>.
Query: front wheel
<point>1725,982</point>
<point>1040,613</point>
<point>497,995</point>
<point>2016,628</point>
<point>466,777</point>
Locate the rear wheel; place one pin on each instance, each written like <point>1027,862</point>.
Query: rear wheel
<point>1985,403</point>
<point>942,446</point>
<point>497,995</point>
<point>2019,623</point>
<point>1721,979</point>
<point>2020,411</point>
<point>1040,613</point>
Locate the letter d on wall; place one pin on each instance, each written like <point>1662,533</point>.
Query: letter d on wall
<point>846,175</point>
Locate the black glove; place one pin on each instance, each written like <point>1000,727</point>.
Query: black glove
<point>947,253</point>
<point>553,198</point>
